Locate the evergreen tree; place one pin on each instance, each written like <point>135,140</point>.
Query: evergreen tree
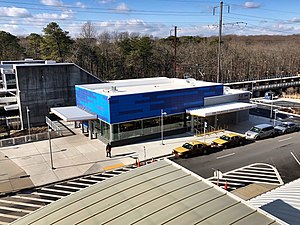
<point>10,48</point>
<point>34,45</point>
<point>56,43</point>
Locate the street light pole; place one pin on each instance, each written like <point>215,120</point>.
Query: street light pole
<point>275,115</point>
<point>28,123</point>
<point>162,113</point>
<point>271,112</point>
<point>252,91</point>
<point>50,148</point>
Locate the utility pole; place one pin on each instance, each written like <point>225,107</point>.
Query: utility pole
<point>219,74</point>
<point>220,40</point>
<point>175,49</point>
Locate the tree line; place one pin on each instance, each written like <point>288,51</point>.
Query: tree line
<point>126,55</point>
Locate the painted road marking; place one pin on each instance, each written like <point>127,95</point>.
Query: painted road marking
<point>113,166</point>
<point>223,156</point>
<point>286,139</point>
<point>295,158</point>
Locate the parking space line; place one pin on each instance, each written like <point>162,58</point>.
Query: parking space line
<point>223,156</point>
<point>285,139</point>
<point>295,158</point>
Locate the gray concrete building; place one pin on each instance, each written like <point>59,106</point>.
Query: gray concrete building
<point>29,88</point>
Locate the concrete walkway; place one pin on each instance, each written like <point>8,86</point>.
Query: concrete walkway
<point>28,165</point>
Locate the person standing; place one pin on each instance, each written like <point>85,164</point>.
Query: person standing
<point>108,150</point>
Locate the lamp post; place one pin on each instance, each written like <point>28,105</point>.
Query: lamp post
<point>275,116</point>
<point>50,148</point>
<point>252,87</point>
<point>162,113</point>
<point>271,111</point>
<point>28,123</point>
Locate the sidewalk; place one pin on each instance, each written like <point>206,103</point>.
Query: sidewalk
<point>28,165</point>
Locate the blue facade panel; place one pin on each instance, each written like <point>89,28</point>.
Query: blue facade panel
<point>93,102</point>
<point>139,106</point>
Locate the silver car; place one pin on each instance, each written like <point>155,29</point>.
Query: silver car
<point>286,127</point>
<point>260,131</point>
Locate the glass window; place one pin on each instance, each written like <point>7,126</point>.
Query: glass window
<point>130,126</point>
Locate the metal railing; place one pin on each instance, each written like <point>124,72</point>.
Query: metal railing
<point>53,126</point>
<point>56,132</point>
<point>28,138</point>
<point>209,130</point>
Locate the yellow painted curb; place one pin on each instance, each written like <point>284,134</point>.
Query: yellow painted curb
<point>113,166</point>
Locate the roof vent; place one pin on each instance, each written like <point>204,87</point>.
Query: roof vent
<point>50,62</point>
<point>114,88</point>
<point>226,89</point>
<point>191,81</point>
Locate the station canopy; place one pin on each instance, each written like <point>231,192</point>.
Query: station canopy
<point>220,109</point>
<point>158,193</point>
<point>72,113</point>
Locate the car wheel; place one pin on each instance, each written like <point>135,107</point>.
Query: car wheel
<point>225,146</point>
<point>258,137</point>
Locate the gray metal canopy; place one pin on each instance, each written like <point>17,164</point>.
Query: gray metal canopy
<point>159,193</point>
<point>72,113</point>
<point>220,109</point>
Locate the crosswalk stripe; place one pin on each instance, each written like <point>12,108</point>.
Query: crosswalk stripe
<point>20,203</point>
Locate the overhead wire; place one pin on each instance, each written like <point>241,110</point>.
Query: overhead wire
<point>96,10</point>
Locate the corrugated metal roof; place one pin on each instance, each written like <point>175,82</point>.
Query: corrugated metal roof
<point>282,202</point>
<point>160,193</point>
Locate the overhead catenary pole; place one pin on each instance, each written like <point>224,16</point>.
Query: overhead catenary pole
<point>219,72</point>
<point>220,41</point>
<point>175,50</point>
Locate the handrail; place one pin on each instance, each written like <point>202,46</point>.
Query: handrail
<point>53,126</point>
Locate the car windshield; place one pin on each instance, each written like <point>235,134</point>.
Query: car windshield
<point>283,125</point>
<point>224,137</point>
<point>187,145</point>
<point>255,129</point>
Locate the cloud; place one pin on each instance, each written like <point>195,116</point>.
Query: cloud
<point>134,26</point>
<point>80,4</point>
<point>251,5</point>
<point>53,16</point>
<point>13,29</point>
<point>52,2</point>
<point>14,12</point>
<point>65,15</point>
<point>122,7</point>
<point>106,1</point>
<point>295,20</point>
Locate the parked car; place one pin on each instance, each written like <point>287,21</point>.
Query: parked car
<point>286,127</point>
<point>260,131</point>
<point>229,140</point>
<point>191,148</point>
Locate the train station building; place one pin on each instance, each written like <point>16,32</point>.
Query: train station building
<point>128,111</point>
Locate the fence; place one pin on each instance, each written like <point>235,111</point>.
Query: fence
<point>28,138</point>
